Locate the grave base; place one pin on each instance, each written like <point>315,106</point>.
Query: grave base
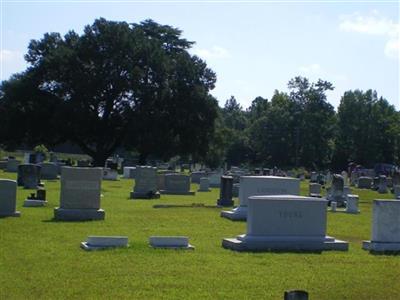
<point>380,246</point>
<point>64,214</point>
<point>265,244</point>
<point>164,192</point>
<point>315,195</point>
<point>139,195</point>
<point>13,214</point>
<point>236,214</point>
<point>34,203</point>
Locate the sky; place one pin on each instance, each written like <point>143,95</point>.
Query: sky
<point>255,47</point>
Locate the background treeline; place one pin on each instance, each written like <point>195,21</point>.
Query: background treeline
<point>300,128</point>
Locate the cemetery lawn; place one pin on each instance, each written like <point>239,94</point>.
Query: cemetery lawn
<point>41,258</point>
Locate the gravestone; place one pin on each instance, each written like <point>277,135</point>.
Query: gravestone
<point>385,235</point>
<point>12,165</point>
<point>161,182</point>
<point>49,171</point>
<point>129,172</point>
<point>145,183</point>
<point>110,174</point>
<point>336,193</point>
<point>235,189</point>
<point>396,189</point>
<point>352,204</point>
<point>104,242</point>
<point>28,176</point>
<point>375,183</point>
<point>382,185</point>
<point>36,200</point>
<point>313,177</point>
<point>196,176</point>
<point>170,242</point>
<point>364,182</point>
<point>80,194</point>
<point>295,295</point>
<point>177,184</point>
<point>204,185</point>
<point>261,185</point>
<point>225,193</point>
<point>215,179</point>
<point>83,163</point>
<point>315,190</point>
<point>8,198</point>
<point>285,223</point>
<point>353,178</point>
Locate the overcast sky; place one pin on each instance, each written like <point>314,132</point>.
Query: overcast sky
<point>254,47</point>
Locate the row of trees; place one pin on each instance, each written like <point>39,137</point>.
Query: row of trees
<point>136,86</point>
<point>301,128</point>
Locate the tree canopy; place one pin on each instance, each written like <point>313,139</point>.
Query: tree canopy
<point>117,84</point>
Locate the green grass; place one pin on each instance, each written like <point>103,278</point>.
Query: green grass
<point>41,259</point>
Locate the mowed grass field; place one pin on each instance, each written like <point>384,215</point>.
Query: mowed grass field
<point>41,258</point>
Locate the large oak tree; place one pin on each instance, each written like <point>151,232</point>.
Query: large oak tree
<point>117,84</point>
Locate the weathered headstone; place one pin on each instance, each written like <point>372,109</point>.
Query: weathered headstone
<point>295,295</point>
<point>110,174</point>
<point>382,186</point>
<point>364,182</point>
<point>129,172</point>
<point>261,185</point>
<point>225,194</point>
<point>49,171</point>
<point>12,165</point>
<point>177,184</point>
<point>80,194</point>
<point>336,193</point>
<point>385,227</point>
<point>285,222</point>
<point>215,179</point>
<point>352,204</point>
<point>145,183</point>
<point>36,200</point>
<point>204,185</point>
<point>315,190</point>
<point>197,175</point>
<point>8,198</point>
<point>313,176</point>
<point>28,176</point>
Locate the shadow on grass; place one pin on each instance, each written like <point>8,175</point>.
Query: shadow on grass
<point>385,253</point>
<point>53,220</point>
<point>193,205</point>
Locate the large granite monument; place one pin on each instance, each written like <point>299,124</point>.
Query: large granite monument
<point>285,223</point>
<point>145,183</point>
<point>80,194</point>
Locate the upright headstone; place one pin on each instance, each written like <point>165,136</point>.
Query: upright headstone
<point>385,227</point>
<point>336,193</point>
<point>12,165</point>
<point>145,183</point>
<point>313,176</point>
<point>364,182</point>
<point>8,198</point>
<point>129,172</point>
<point>375,183</point>
<point>177,184</point>
<point>3,164</point>
<point>197,175</point>
<point>204,185</point>
<point>382,186</point>
<point>28,176</point>
<point>261,185</point>
<point>352,204</point>
<point>285,222</point>
<point>215,179</point>
<point>295,295</point>
<point>80,194</point>
<point>225,194</point>
<point>315,190</point>
<point>49,171</point>
<point>235,189</point>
